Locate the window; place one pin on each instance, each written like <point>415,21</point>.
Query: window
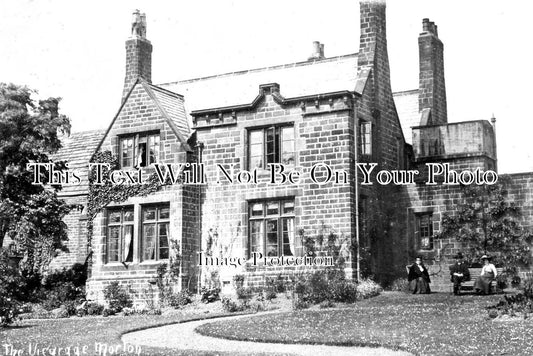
<point>155,233</point>
<point>120,234</point>
<point>272,230</point>
<point>271,145</point>
<point>139,150</point>
<point>365,135</point>
<point>425,231</point>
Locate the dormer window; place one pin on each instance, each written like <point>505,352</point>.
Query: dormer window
<point>139,150</point>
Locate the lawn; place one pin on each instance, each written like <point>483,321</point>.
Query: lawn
<point>436,324</point>
<point>86,331</point>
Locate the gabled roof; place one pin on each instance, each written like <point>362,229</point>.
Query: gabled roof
<point>407,107</point>
<point>170,106</point>
<point>328,75</point>
<point>77,149</point>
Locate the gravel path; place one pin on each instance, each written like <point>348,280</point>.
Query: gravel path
<point>183,337</point>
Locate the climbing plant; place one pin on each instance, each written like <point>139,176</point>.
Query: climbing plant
<point>100,195</point>
<point>489,222</point>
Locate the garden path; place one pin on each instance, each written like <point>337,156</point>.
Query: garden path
<point>183,337</point>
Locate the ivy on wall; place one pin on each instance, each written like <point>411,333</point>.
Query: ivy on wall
<point>100,195</point>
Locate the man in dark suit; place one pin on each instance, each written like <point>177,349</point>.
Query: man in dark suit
<point>459,273</point>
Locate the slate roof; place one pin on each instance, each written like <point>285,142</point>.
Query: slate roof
<point>295,79</point>
<point>172,106</point>
<point>77,150</point>
<point>407,106</point>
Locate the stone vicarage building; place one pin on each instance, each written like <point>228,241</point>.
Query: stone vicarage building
<point>335,111</point>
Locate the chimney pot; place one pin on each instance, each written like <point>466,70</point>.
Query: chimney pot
<point>138,53</point>
<point>318,51</point>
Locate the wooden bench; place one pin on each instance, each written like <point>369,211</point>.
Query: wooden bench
<point>474,274</point>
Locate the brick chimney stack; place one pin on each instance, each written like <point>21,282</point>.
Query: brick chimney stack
<point>432,89</point>
<point>373,53</point>
<point>138,53</point>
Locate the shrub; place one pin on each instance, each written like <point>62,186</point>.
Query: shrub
<point>230,305</point>
<point>116,297</point>
<point>94,309</point>
<point>299,303</point>
<point>367,288</point>
<point>325,285</point>
<point>59,313</point>
<point>238,281</point>
<point>244,293</point>
<point>345,291</point>
<point>108,312</point>
<point>9,309</point>
<point>326,304</point>
<point>527,288</point>
<point>210,295</point>
<point>515,281</point>
<point>512,305</point>
<point>278,284</point>
<point>71,307</point>
<point>77,275</point>
<point>400,285</point>
<point>269,294</point>
<point>179,299</point>
<point>61,294</point>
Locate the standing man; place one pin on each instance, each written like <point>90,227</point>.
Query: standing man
<point>459,273</point>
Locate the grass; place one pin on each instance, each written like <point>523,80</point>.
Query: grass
<point>436,324</point>
<point>86,331</point>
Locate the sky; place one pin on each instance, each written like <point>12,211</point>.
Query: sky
<point>75,50</point>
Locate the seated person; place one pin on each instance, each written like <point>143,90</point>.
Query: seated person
<point>459,273</point>
<point>487,275</point>
<point>419,278</point>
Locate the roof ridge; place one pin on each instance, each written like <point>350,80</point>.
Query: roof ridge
<point>87,131</point>
<point>165,91</point>
<point>408,91</point>
<point>261,69</point>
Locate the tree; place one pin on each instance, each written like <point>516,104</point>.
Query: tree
<point>488,223</point>
<point>30,214</point>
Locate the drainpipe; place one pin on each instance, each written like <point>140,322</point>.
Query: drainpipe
<point>199,151</point>
<point>356,144</point>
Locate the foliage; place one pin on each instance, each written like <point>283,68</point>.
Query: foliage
<point>520,304</point>
<point>327,243</point>
<point>30,215</point>
<point>209,295</point>
<point>244,293</point>
<point>94,309</point>
<point>10,283</point>
<point>116,297</point>
<point>367,288</point>
<point>9,308</point>
<point>326,284</point>
<point>488,222</point>
<point>77,275</point>
<point>400,285</point>
<point>238,281</point>
<point>66,292</point>
<point>276,285</point>
<point>100,195</point>
<point>179,299</point>
<point>231,306</point>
